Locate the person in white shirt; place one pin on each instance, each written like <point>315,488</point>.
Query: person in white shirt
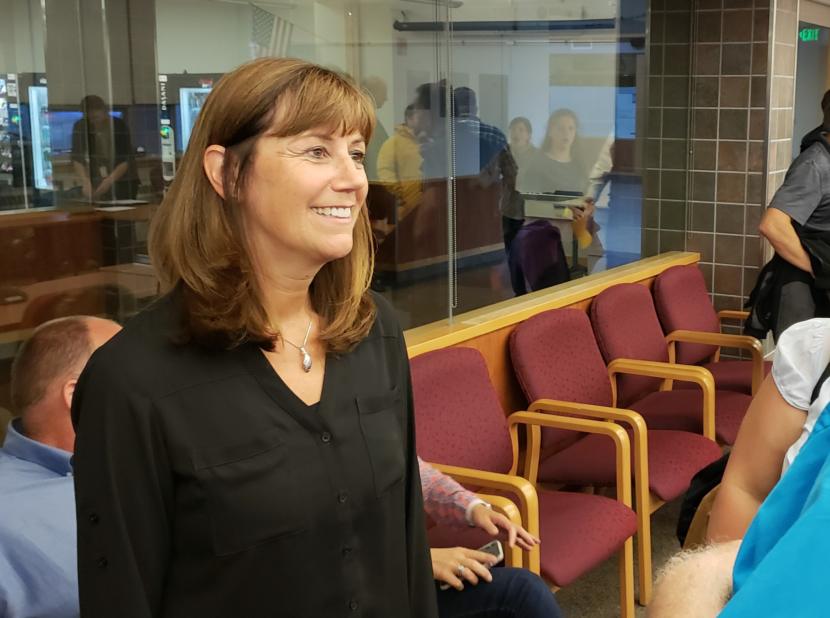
<point>777,424</point>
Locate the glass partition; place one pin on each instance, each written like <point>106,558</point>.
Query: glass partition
<point>25,172</point>
<point>509,156</point>
<point>548,134</point>
<point>79,164</point>
<point>367,40</point>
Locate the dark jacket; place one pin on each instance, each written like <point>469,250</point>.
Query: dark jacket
<point>537,259</point>
<point>784,294</point>
<point>206,488</point>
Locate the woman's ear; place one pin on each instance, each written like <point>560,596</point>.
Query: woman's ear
<point>214,163</point>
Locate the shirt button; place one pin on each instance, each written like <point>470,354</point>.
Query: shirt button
<point>353,605</point>
<point>342,497</point>
<point>346,551</point>
<point>93,518</point>
<point>326,437</point>
<point>102,562</point>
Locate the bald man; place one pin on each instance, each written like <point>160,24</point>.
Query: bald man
<point>38,570</point>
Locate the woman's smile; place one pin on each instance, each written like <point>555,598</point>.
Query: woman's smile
<point>343,213</point>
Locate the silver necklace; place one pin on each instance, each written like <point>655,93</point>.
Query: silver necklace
<point>303,352</point>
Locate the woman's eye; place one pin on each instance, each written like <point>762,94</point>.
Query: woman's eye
<point>358,155</point>
<point>317,153</point>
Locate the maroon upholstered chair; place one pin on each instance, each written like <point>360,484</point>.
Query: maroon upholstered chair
<point>687,316</point>
<point>462,430</point>
<point>632,343</point>
<point>560,369</point>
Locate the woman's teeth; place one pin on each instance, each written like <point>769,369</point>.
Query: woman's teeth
<point>340,213</point>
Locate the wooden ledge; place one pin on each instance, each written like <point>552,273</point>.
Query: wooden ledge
<point>491,318</point>
<point>35,217</point>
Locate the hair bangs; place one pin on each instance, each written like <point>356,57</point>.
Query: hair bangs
<point>323,98</point>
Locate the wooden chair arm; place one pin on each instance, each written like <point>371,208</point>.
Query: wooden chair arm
<point>534,421</point>
<point>642,495</point>
<point>730,314</point>
<point>512,555</point>
<point>671,371</point>
<point>743,342</point>
<point>631,418</point>
<point>525,493</point>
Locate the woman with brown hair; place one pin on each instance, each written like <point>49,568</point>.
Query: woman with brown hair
<point>558,165</point>
<point>246,445</point>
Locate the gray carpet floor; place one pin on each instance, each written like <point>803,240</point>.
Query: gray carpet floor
<point>596,595</point>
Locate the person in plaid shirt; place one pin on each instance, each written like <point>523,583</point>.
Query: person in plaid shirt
<point>509,592</point>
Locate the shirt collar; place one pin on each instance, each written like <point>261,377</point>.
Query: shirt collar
<point>49,457</point>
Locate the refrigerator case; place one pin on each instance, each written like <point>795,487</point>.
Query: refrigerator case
<point>191,101</point>
<point>5,133</point>
<point>41,142</point>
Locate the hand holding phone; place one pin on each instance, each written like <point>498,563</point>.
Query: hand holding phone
<point>494,548</point>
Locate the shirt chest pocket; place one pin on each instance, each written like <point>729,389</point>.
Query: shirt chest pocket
<point>380,422</point>
<point>252,492</point>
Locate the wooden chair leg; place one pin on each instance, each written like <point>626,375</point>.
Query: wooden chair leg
<point>627,579</point>
<point>643,505</point>
<point>696,535</point>
<point>644,545</point>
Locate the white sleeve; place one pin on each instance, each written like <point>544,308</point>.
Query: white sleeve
<point>801,355</point>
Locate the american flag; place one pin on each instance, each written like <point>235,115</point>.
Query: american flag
<point>270,34</point>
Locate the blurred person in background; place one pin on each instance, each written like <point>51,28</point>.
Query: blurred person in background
<point>102,153</point>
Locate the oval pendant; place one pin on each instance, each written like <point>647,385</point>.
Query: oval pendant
<point>306,360</point>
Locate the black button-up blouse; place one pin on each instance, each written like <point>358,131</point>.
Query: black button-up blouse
<point>206,488</point>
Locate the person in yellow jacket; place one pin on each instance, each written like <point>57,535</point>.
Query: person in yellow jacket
<point>399,162</point>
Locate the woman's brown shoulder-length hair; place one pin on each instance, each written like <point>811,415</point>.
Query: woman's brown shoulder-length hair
<point>197,241</point>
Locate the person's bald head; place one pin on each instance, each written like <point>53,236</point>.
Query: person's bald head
<point>100,331</point>
<point>46,369</point>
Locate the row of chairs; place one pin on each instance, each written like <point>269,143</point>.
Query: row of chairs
<point>621,395</point>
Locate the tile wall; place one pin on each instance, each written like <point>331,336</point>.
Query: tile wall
<point>737,95</point>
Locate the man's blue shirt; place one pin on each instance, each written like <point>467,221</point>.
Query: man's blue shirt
<point>38,563</point>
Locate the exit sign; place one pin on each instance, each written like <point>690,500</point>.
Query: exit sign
<point>808,34</point>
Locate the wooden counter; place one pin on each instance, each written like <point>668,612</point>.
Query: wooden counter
<point>58,216</point>
<point>18,319</point>
<point>41,245</point>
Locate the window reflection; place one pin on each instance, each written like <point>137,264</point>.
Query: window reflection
<point>492,135</point>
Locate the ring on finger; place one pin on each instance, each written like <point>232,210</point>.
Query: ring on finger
<point>460,570</point>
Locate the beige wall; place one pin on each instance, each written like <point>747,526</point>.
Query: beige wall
<point>815,12</point>
<point>111,53</point>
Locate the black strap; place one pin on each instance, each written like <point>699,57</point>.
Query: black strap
<point>817,388</point>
